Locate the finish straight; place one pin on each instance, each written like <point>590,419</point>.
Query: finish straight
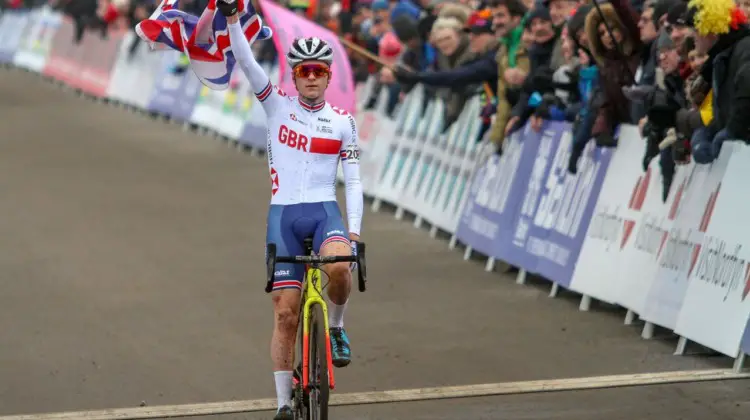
<point>419,394</point>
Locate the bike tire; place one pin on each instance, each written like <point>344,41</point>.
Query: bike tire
<point>318,374</point>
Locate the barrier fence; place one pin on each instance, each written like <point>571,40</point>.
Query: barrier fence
<point>605,233</point>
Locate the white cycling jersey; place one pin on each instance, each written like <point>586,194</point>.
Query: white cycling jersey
<point>305,143</point>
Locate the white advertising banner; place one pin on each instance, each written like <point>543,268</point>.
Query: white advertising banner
<point>596,272</point>
<point>695,199</point>
<point>134,76</point>
<point>37,39</point>
<point>716,306</point>
<point>640,252</point>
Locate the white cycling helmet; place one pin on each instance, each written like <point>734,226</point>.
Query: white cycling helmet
<point>306,49</point>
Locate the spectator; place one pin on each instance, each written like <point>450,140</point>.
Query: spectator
<point>583,112</point>
<point>453,45</point>
<point>646,72</point>
<point>667,98</point>
<point>678,25</point>
<point>613,36</point>
<point>745,6</point>
<point>404,7</point>
<point>559,11</point>
<point>513,62</point>
<point>540,79</point>
<point>502,67</point>
<point>722,32</point>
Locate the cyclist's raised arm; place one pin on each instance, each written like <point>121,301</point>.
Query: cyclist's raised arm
<point>266,93</point>
<point>350,167</point>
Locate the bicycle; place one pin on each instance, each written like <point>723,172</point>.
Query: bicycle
<point>311,394</point>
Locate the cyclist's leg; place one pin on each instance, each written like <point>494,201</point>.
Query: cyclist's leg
<point>286,299</point>
<point>332,238</point>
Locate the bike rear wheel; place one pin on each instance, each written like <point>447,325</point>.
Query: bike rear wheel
<point>318,366</point>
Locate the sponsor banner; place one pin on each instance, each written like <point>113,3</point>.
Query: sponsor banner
<point>567,202</point>
<point>496,194</point>
<point>717,302</point>
<point>37,39</point>
<point>746,339</point>
<point>207,111</point>
<point>235,107</point>
<point>514,250</point>
<point>134,73</point>
<point>610,228</point>
<point>174,93</point>
<point>12,28</point>
<point>693,204</point>
<point>649,227</point>
<point>87,65</point>
<point>286,26</point>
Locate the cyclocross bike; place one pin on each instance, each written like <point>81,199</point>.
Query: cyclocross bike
<point>314,343</point>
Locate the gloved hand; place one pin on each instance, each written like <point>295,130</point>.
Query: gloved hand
<point>227,7</point>
<point>542,80</point>
<point>637,92</point>
<point>549,107</point>
<point>405,76</point>
<point>701,146</point>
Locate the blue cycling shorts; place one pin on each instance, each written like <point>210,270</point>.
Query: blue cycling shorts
<point>289,225</point>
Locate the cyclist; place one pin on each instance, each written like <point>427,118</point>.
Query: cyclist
<point>306,139</point>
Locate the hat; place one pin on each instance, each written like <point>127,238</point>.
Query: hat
<point>664,41</point>
<point>539,12</point>
<point>715,17</point>
<point>661,7</point>
<point>389,46</point>
<point>677,14</point>
<point>578,20</point>
<point>379,5</point>
<point>405,28</point>
<point>479,22</point>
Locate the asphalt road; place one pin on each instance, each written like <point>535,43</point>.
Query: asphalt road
<point>132,270</point>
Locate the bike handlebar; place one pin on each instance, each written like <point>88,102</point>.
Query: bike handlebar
<point>272,259</point>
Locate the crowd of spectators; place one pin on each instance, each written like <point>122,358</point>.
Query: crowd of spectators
<point>677,69</point>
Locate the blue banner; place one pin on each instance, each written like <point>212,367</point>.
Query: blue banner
<point>527,210</point>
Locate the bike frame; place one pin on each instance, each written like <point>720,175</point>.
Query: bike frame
<point>312,294</point>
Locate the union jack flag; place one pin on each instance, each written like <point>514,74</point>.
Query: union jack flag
<point>204,40</point>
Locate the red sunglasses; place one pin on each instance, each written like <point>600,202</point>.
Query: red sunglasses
<point>305,70</point>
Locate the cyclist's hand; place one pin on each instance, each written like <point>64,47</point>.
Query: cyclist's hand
<point>227,7</point>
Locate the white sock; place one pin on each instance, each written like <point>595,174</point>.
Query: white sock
<point>336,315</point>
<point>284,384</point>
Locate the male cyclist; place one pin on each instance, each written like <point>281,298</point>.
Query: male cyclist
<point>306,139</point>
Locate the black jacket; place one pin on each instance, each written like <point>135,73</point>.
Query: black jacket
<point>483,69</point>
<point>729,69</point>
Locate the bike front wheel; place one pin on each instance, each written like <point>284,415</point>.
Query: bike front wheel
<point>318,366</point>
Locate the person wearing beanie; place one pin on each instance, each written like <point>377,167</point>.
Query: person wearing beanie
<point>664,103</point>
<point>482,41</point>
<point>678,25</point>
<point>452,44</point>
<point>540,79</point>
<point>559,10</point>
<point>661,9</point>
<point>721,30</point>
<point>614,39</point>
